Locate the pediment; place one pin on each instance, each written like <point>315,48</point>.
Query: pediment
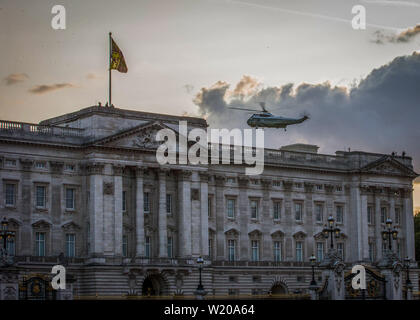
<point>70,226</point>
<point>41,224</point>
<point>387,165</point>
<point>277,234</point>
<point>140,137</point>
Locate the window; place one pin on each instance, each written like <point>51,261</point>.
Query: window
<point>276,210</point>
<point>69,198</point>
<point>255,250</point>
<point>233,279</point>
<point>125,246</point>
<point>231,250</point>
<point>399,250</point>
<point>319,187</point>
<point>277,251</point>
<point>339,188</point>
<point>372,252</point>
<point>10,246</point>
<point>339,212</point>
<point>298,185</point>
<point>233,292</point>
<point>299,251</point>
<point>146,203</point>
<point>10,163</point>
<point>370,215</point>
<point>319,212</point>
<point>147,247</point>
<point>254,209</point>
<point>10,196</point>
<point>40,165</point>
<point>298,211</point>
<point>256,279</point>
<point>319,251</point>
<point>231,208</point>
<point>397,215</point>
<point>169,203</point>
<point>230,180</point>
<point>383,215</point>
<point>276,183</point>
<point>40,244</point>
<point>69,167</point>
<point>70,245</point>
<point>340,250</point>
<point>40,196</point>
<point>170,247</point>
<point>124,201</point>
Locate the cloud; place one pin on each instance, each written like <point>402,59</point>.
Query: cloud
<point>14,78</point>
<point>44,88</point>
<point>378,114</point>
<point>93,76</point>
<point>189,88</point>
<point>403,37</point>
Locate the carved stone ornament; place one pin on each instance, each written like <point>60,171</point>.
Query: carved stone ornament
<point>56,166</point>
<point>287,184</point>
<point>147,139</point>
<point>195,194</point>
<point>108,188</point>
<point>329,188</point>
<point>26,163</point>
<point>309,186</point>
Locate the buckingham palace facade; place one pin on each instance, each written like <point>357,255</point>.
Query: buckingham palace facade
<point>85,190</point>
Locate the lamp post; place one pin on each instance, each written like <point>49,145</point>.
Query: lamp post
<point>200,288</point>
<point>389,233</point>
<point>331,230</point>
<point>408,285</point>
<point>5,234</point>
<point>312,259</point>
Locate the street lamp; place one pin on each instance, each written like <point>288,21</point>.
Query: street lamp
<point>332,230</point>
<point>389,234</point>
<point>200,289</point>
<point>408,285</point>
<point>5,234</point>
<point>312,259</point>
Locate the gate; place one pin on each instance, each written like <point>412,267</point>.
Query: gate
<point>36,288</point>
<point>375,286</point>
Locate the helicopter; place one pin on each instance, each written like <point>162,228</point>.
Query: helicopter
<point>266,119</point>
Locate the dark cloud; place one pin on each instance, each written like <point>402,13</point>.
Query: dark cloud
<point>14,78</point>
<point>405,36</point>
<point>379,114</point>
<point>44,88</point>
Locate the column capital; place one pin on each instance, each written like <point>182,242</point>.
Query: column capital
<point>184,174</point>
<point>266,182</point>
<point>243,180</point>
<point>309,186</point>
<point>117,169</point>
<point>140,171</point>
<point>93,167</point>
<point>56,166</point>
<point>287,184</point>
<point>204,176</point>
<point>329,188</point>
<point>163,170</point>
<point>26,163</point>
<point>220,180</point>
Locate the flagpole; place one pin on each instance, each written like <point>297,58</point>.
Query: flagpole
<point>110,60</point>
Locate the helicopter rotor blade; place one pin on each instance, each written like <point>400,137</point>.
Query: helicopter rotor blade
<point>243,109</point>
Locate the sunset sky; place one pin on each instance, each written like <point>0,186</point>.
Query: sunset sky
<point>198,57</point>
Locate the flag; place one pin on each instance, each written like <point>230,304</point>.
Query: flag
<point>117,58</point>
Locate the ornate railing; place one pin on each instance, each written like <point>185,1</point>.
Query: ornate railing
<point>37,129</point>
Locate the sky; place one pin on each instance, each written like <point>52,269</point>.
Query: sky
<point>198,57</point>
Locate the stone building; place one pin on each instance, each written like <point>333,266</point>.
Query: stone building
<point>85,190</point>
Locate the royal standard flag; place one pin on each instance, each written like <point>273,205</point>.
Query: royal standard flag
<point>117,58</point>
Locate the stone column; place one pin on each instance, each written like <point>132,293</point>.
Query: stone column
<point>204,223</point>
<point>393,283</point>
<point>220,218</point>
<point>266,222</point>
<point>26,205</point>
<point>309,218</point>
<point>96,210</point>
<point>162,221</point>
<point>56,233</point>
<point>139,213</point>
<point>409,222</point>
<point>364,224</point>
<point>243,217</point>
<point>184,198</point>
<point>356,237</point>
<point>118,216</point>
<point>289,218</point>
<point>378,235</point>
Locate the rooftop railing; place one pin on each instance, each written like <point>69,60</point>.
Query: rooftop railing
<point>37,129</point>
